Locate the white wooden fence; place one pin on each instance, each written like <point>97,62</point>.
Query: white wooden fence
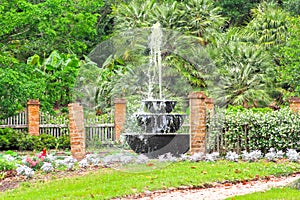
<point>99,128</point>
<point>52,125</point>
<point>18,122</point>
<point>96,127</point>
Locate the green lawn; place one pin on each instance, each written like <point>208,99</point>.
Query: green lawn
<point>109,183</point>
<point>284,193</point>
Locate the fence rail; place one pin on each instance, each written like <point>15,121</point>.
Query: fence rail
<point>18,122</point>
<point>99,128</point>
<point>53,125</point>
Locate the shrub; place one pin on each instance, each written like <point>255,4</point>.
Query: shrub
<point>15,140</point>
<point>254,129</point>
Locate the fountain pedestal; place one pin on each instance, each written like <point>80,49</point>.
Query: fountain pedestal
<point>160,126</point>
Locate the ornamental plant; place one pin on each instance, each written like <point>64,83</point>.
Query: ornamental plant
<point>37,161</point>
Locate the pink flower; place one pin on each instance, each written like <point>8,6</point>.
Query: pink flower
<point>33,164</point>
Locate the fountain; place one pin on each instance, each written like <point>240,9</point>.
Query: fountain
<point>158,122</point>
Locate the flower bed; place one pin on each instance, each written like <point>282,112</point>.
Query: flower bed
<point>28,165</point>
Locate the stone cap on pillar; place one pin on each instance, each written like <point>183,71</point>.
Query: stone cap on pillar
<point>33,102</point>
<point>120,101</point>
<point>197,95</point>
<point>209,100</point>
<point>74,104</point>
<point>294,100</point>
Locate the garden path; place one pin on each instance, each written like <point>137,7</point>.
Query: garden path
<point>218,191</point>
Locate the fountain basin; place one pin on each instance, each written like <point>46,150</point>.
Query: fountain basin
<point>154,145</point>
<point>160,123</point>
<point>159,105</point>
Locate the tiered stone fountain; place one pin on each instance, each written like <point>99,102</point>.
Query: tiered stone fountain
<point>158,122</point>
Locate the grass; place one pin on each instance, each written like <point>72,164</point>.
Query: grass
<point>285,193</point>
<point>108,183</point>
<point>290,192</point>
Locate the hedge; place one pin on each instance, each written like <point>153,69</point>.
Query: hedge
<point>247,129</point>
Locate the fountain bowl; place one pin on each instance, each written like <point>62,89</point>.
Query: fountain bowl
<point>159,105</point>
<point>160,122</point>
<point>154,145</point>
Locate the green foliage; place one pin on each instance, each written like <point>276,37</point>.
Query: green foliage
<point>251,130</point>
<point>245,73</point>
<point>236,109</point>
<point>290,61</point>
<point>58,72</point>
<point>269,27</point>
<point>238,11</point>
<point>292,6</point>
<point>5,166</point>
<point>196,17</point>
<point>19,84</point>
<point>51,80</point>
<point>40,27</point>
<point>95,85</point>
<point>15,140</point>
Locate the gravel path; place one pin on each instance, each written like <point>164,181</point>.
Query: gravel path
<point>218,191</point>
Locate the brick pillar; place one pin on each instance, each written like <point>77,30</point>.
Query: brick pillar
<point>77,133</point>
<point>120,117</point>
<point>33,114</point>
<point>295,104</point>
<point>209,102</point>
<point>197,122</point>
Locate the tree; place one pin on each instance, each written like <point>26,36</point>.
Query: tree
<point>238,11</point>
<point>43,26</point>
<point>269,27</point>
<point>58,73</point>
<point>292,6</point>
<point>244,74</point>
<point>290,61</point>
<point>186,24</point>
<point>18,84</point>
<point>199,18</point>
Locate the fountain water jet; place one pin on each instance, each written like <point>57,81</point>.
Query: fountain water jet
<point>158,122</point>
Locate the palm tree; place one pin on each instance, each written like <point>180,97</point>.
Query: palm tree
<point>269,27</point>
<point>244,75</point>
<point>187,24</point>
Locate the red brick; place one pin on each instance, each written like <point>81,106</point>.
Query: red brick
<point>33,114</point>
<point>77,131</point>
<point>120,116</point>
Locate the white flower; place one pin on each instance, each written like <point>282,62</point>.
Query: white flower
<point>141,159</point>
<point>91,158</point>
<point>126,159</point>
<point>212,157</point>
<point>9,158</point>
<point>70,159</point>
<point>252,156</point>
<point>280,154</point>
<point>50,157</point>
<point>292,155</point>
<point>70,166</point>
<point>196,157</point>
<point>47,167</point>
<point>232,156</point>
<point>24,170</point>
<point>167,157</point>
<point>83,163</point>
